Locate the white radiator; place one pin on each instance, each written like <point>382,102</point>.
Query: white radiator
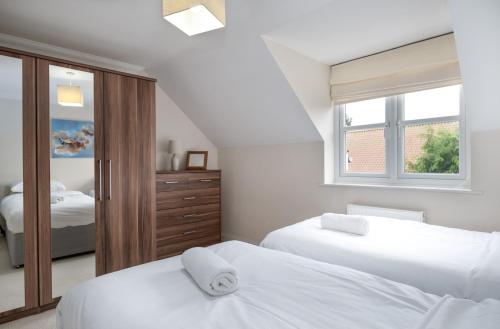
<point>355,209</point>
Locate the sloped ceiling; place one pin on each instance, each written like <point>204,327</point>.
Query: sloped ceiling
<point>344,30</point>
<point>226,81</point>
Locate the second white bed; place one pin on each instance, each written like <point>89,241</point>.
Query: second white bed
<point>435,259</point>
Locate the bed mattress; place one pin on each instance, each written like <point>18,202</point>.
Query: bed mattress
<point>435,259</point>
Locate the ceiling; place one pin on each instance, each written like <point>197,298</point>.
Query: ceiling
<point>344,30</point>
<point>226,80</point>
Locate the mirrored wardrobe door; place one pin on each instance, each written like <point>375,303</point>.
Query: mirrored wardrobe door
<point>18,272</point>
<point>72,174</point>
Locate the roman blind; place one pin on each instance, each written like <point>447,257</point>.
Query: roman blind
<point>423,65</point>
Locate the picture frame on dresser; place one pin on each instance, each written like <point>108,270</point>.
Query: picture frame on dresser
<point>197,160</point>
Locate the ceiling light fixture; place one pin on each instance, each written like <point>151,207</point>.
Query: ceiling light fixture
<point>69,95</point>
<point>195,16</point>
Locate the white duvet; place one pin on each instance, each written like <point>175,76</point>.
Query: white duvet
<point>77,209</point>
<point>435,259</point>
<point>454,313</point>
<point>276,290</point>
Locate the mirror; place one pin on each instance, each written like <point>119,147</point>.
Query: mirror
<point>11,185</point>
<point>73,231</point>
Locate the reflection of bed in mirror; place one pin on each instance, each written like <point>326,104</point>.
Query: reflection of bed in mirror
<point>73,224</point>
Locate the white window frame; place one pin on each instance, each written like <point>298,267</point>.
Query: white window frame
<point>394,149</point>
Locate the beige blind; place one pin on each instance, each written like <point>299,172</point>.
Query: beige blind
<point>428,64</point>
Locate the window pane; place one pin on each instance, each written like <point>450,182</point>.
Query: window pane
<point>433,103</point>
<point>365,151</point>
<point>365,112</point>
<point>432,148</point>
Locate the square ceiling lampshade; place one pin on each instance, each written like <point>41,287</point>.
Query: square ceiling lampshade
<point>69,96</point>
<point>195,16</point>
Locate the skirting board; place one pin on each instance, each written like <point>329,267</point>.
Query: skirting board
<point>230,237</point>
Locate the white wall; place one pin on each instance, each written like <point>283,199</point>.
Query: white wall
<point>11,158</point>
<point>265,188</point>
<point>477,34</point>
<point>172,123</point>
<point>269,187</point>
<point>310,80</point>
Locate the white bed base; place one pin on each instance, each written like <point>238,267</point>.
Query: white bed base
<point>355,209</point>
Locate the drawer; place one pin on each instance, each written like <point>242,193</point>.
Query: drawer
<point>178,233</point>
<point>187,198</point>
<point>179,248</point>
<point>171,182</point>
<point>180,216</point>
<point>204,180</point>
<point>187,181</point>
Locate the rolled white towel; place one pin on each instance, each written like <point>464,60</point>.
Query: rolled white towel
<point>55,198</point>
<point>211,272</point>
<point>345,223</point>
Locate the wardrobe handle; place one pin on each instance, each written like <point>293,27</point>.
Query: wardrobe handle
<point>100,180</point>
<point>110,180</point>
<point>190,198</point>
<point>190,232</point>
<point>171,182</point>
<point>205,180</point>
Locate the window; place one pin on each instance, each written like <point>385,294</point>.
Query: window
<point>414,138</point>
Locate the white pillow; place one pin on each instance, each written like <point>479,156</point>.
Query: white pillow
<point>55,186</point>
<point>16,187</point>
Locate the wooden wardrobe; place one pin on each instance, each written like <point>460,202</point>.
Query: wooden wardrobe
<point>124,171</point>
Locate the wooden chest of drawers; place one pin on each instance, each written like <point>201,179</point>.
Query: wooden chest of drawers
<point>188,210</point>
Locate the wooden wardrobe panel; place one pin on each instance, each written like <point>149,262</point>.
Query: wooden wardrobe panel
<point>43,190</point>
<point>99,174</point>
<point>30,189</point>
<point>129,149</point>
<point>147,202</point>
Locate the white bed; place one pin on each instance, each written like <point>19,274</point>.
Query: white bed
<point>77,209</point>
<point>434,259</point>
<point>277,290</point>
<point>72,222</point>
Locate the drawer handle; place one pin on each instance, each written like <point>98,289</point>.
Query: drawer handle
<point>196,215</point>
<point>190,232</point>
<point>171,182</point>
<point>206,180</point>
<point>190,198</point>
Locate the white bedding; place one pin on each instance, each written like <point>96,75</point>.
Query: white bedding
<point>277,290</point>
<point>454,313</point>
<point>77,209</point>
<point>435,259</point>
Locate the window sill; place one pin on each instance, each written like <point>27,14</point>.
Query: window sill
<point>439,189</point>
